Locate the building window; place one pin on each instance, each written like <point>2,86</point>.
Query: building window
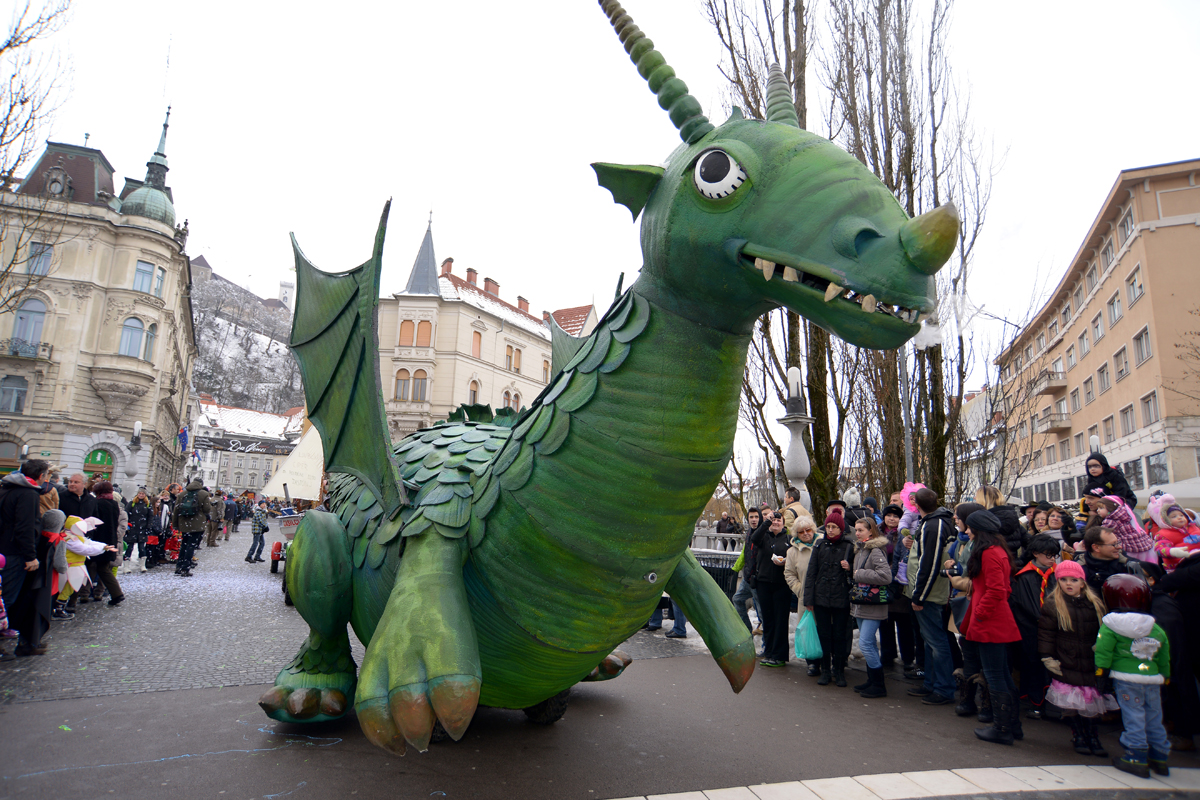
<point>1103,378</point>
<point>1037,460</point>
<point>1079,445</point>
<point>1039,492</point>
<point>424,333</point>
<point>1156,469</point>
<point>144,277</point>
<point>252,480</point>
<point>40,256</point>
<point>159,280</point>
<point>406,333</point>
<point>1017,362</point>
<point>131,337</point>
<point>1080,484</point>
<point>1029,354</point>
<point>401,385</point>
<point>254,463</point>
<point>1097,327</point>
<point>1150,409</point>
<point>1051,455</point>
<point>27,330</point>
<point>1092,279</point>
<point>1075,404</point>
<point>1093,431</point>
<point>237,479</point>
<point>1068,489</point>
<point>1064,449</point>
<point>1041,342</point>
<point>476,344</point>
<point>1128,425</point>
<point>516,401</point>
<point>545,371</point>
<point>1071,357</point>
<point>1110,430</point>
<point>1060,406</point>
<point>1089,391</point>
<point>12,394</point>
<point>241,462</point>
<point>507,400</point>
<point>473,393</point>
<point>508,359</point>
<point>1084,348</point>
<point>1078,296</point>
<point>516,367</point>
<point>1106,255</point>
<point>1133,473</point>
<point>1053,495</point>
<point>1126,226</point>
<point>1022,430</point>
<point>1066,315</point>
<point>1057,366</point>
<point>1121,363</point>
<point>1114,309</point>
<point>420,386</point>
<point>1133,285</point>
<point>1141,346</point>
<point>1053,329</point>
<point>151,335</point>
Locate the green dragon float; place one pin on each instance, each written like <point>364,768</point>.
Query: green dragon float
<point>500,561</point>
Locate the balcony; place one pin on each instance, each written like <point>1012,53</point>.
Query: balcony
<point>20,348</point>
<point>1050,382</point>
<point>1052,423</point>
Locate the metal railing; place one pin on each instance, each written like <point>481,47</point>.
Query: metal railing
<point>1049,381</point>
<point>1053,422</point>
<point>21,348</point>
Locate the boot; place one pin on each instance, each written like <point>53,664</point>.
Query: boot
<point>875,683</point>
<point>1079,737</point>
<point>866,685</point>
<point>985,702</point>
<point>826,674</point>
<point>1158,764</point>
<point>839,676</point>
<point>1093,738</point>
<point>124,567</point>
<point>1002,710</point>
<point>141,565</point>
<point>60,610</point>
<point>1133,762</point>
<point>966,698</point>
<point>814,669</point>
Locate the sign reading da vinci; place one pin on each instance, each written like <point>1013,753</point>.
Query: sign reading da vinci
<point>245,444</point>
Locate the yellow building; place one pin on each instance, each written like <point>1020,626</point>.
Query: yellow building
<point>1098,361</point>
<point>102,338</point>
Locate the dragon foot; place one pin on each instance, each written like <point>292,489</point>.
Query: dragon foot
<point>611,667</point>
<point>738,664</point>
<point>318,685</point>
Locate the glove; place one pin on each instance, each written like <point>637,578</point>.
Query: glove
<point>1178,552</point>
<point>1053,665</point>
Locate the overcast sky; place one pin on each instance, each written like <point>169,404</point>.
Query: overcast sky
<point>490,113</point>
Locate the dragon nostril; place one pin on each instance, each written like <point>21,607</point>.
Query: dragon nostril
<point>852,235</point>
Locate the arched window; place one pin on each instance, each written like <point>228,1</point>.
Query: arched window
<point>151,335</point>
<point>10,456</point>
<point>424,333</point>
<point>545,371</point>
<point>12,394</point>
<point>419,386</point>
<point>516,402</point>
<point>406,333</point>
<point>476,343</point>
<point>27,330</point>
<point>508,357</point>
<point>507,400</point>
<point>131,337</point>
<point>516,365</point>
<point>402,385</point>
<point>473,393</point>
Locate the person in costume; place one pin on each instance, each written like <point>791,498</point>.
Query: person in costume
<point>79,548</point>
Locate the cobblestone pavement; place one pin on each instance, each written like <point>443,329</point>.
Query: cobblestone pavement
<point>225,626</point>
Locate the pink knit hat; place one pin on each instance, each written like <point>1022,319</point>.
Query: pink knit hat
<point>1069,569</point>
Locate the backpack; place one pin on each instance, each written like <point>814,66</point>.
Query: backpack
<point>189,506</point>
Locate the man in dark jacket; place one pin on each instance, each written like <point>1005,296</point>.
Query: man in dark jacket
<point>189,517</point>
<point>231,514</point>
<point>1103,558</point>
<point>22,545</point>
<point>929,589</point>
<point>771,544</point>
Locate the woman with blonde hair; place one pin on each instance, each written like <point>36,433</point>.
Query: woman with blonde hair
<point>1015,536</point>
<point>803,536</point>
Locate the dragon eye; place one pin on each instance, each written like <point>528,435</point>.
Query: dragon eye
<point>718,175</point>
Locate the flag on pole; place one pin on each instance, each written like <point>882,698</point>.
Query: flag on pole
<point>183,437</point>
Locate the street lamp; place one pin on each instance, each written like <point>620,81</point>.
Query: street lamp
<point>796,466</point>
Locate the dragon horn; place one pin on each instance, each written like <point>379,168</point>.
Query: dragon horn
<point>672,93</point>
<point>780,107</point>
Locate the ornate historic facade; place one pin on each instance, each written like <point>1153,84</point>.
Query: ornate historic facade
<point>102,337</point>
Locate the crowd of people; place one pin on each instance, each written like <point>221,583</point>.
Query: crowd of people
<point>62,544</point>
<point>1001,611</point>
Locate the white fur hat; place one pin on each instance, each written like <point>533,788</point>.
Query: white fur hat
<point>852,498</point>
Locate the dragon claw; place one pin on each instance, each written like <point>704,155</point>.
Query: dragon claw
<point>412,714</point>
<point>375,719</point>
<point>611,667</point>
<point>303,704</point>
<point>738,664</point>
<point>454,699</point>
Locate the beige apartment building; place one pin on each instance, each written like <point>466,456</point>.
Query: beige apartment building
<point>1098,362</point>
<point>445,341</point>
<point>100,338</point>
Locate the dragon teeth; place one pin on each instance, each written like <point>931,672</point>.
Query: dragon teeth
<point>832,291</point>
<point>791,275</point>
<point>767,267</point>
<point>868,304</point>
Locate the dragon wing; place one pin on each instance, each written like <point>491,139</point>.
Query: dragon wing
<point>335,340</point>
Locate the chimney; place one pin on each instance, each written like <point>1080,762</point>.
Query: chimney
<point>471,279</point>
<point>491,287</point>
<point>545,316</point>
<point>523,304</point>
<point>447,265</point>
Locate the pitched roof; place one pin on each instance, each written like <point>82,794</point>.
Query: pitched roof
<point>200,261</point>
<point>572,320</point>
<point>247,422</point>
<point>424,276</point>
<point>455,288</point>
<point>88,169</point>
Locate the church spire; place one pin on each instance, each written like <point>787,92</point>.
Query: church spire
<point>424,276</point>
<point>156,167</point>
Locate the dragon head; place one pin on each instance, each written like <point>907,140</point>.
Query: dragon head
<point>757,214</point>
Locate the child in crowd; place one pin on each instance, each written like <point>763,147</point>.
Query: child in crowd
<point>79,549</point>
<point>1177,537</point>
<point>912,516</point>
<point>1067,628</point>
<point>1132,651</point>
<point>1031,587</point>
<point>1135,542</point>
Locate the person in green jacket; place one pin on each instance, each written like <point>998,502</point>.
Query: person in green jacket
<point>1132,651</point>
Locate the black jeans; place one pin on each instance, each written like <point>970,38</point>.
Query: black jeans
<point>833,628</point>
<point>187,548</point>
<point>775,602</point>
<point>993,657</point>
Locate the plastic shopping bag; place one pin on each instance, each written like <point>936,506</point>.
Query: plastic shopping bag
<point>808,644</point>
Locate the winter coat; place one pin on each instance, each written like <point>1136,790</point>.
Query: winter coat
<point>826,584</point>
<point>765,546</point>
<point>1167,539</point>
<point>1073,648</point>
<point>109,533</point>
<point>203,508</point>
<point>871,566</point>
<point>1030,588</point>
<point>1110,481</point>
<point>792,512</point>
<point>989,618</point>
<point>899,563</point>
<point>1134,648</point>
<point>1131,536</point>
<point>75,506</point>
<point>926,583</point>
<point>795,569</point>
<point>20,522</point>
<point>258,522</point>
<point>1010,525</point>
<point>1097,570</point>
<point>856,513</point>
<point>232,512</point>
<point>218,511</point>
<point>140,514</point>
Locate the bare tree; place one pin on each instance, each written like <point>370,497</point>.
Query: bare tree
<point>1187,350</point>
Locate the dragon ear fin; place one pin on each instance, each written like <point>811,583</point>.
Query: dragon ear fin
<point>631,186</point>
<point>735,114</point>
